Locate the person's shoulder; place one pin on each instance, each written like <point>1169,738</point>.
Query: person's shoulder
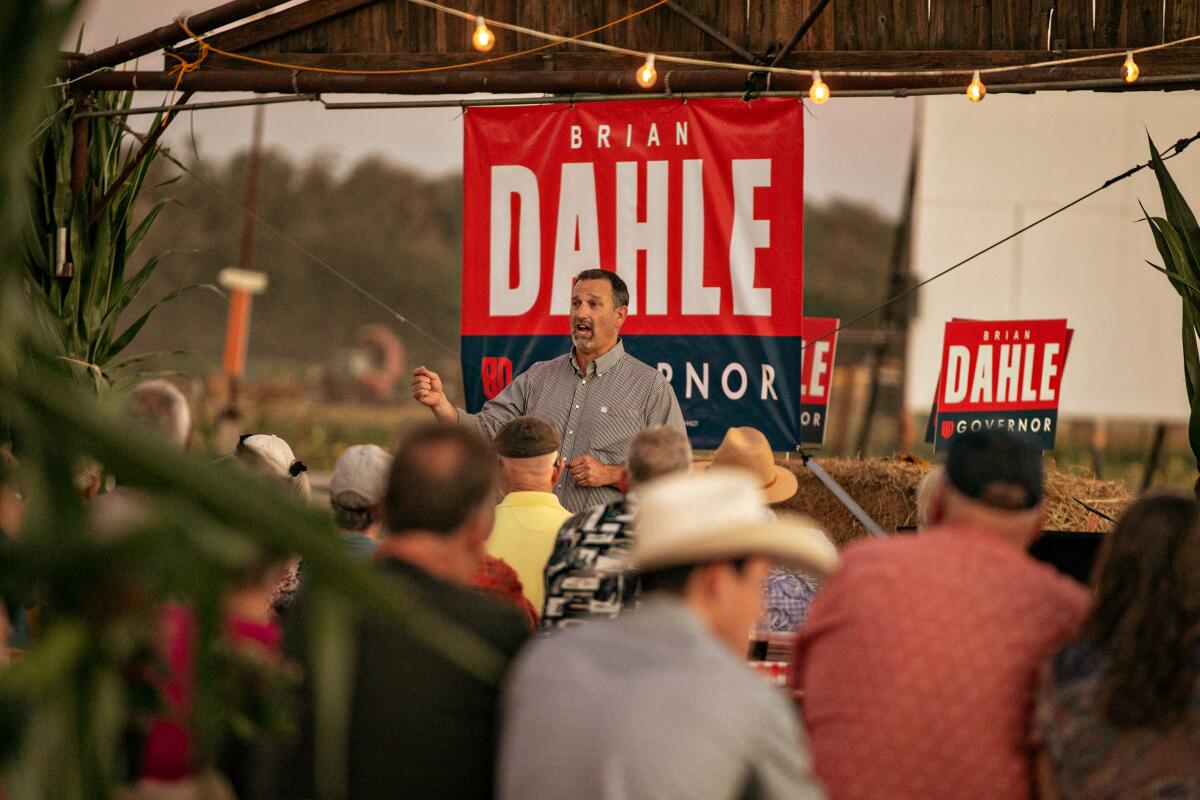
<point>549,365</point>
<point>562,653</point>
<point>593,516</point>
<point>643,370</point>
<point>501,622</point>
<point>869,551</point>
<point>1070,596</point>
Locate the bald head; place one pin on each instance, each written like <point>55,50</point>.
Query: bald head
<point>160,406</point>
<point>441,477</point>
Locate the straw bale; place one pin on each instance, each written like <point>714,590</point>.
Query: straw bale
<point>886,490</point>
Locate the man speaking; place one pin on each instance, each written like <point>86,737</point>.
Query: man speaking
<point>597,396</point>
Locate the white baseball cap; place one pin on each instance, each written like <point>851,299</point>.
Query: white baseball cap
<point>362,469</point>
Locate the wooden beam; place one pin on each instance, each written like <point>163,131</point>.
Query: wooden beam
<point>809,21</point>
<point>733,46</point>
<point>282,23</point>
<point>167,35</point>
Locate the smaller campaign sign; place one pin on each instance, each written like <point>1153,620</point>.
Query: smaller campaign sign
<point>819,340</point>
<point>1001,375</point>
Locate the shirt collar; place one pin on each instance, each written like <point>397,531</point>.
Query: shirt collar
<point>604,363</point>
<point>531,499</point>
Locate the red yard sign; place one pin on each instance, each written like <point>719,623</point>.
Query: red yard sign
<point>1004,374</point>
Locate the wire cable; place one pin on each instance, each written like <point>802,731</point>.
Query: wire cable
<point>1173,151</point>
<point>337,273</point>
<point>206,48</point>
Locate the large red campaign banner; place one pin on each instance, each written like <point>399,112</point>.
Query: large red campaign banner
<point>1001,374</point>
<point>697,205</point>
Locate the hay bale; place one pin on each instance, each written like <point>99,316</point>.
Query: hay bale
<point>886,489</point>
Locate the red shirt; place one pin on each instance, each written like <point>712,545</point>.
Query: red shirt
<point>918,663</point>
<point>167,752</point>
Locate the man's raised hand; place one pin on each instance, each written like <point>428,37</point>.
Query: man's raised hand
<point>427,390</point>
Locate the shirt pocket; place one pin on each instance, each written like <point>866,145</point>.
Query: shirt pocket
<point>612,431</point>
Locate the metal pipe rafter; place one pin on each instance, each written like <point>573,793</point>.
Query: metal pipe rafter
<point>1168,83</point>
<point>570,82</point>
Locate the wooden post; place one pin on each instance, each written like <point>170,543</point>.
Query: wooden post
<point>1152,458</point>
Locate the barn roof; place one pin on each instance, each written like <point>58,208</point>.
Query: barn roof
<point>406,39</point>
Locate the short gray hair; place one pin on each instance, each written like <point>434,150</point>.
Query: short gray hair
<point>160,406</point>
<point>353,512</point>
<point>656,452</point>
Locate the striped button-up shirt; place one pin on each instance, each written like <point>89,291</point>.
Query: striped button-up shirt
<point>596,413</point>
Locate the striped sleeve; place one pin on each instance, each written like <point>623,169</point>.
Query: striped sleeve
<point>500,410</point>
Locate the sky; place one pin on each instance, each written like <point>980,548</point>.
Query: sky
<point>871,170</point>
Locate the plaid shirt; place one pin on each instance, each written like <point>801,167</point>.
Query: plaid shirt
<point>596,413</point>
<point>584,576</point>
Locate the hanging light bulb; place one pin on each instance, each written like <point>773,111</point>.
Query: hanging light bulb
<point>976,90</point>
<point>819,91</point>
<point>1129,70</point>
<point>646,74</point>
<point>483,38</point>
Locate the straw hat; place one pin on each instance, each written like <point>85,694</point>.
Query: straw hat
<point>748,449</point>
<point>720,515</point>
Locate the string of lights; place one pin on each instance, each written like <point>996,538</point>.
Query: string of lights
<point>483,39</point>
<point>819,91</point>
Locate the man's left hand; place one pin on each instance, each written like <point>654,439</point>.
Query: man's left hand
<point>587,471</point>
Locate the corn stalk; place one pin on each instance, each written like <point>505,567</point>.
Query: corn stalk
<point>82,235</point>
<point>1177,237</point>
<point>66,704</point>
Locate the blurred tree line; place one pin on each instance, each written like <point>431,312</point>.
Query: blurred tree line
<point>399,234</point>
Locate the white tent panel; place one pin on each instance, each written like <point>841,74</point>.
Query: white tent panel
<point>986,170</point>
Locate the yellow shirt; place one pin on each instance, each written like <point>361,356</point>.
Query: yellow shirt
<point>526,526</point>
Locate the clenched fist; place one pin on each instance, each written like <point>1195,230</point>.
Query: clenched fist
<point>427,390</point>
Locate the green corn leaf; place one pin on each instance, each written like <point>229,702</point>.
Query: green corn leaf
<point>125,338</point>
<point>145,358</point>
<point>1178,211</point>
<point>1178,263</point>
<point>115,278</point>
<point>1191,365</point>
<point>1172,269</point>
<point>95,275</point>
<point>128,292</point>
<point>1185,282</point>
<point>331,649</point>
<point>143,227</point>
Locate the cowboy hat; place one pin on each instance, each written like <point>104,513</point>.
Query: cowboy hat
<point>748,449</point>
<point>720,515</point>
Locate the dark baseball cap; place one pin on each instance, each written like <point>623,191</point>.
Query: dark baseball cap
<point>526,437</point>
<point>998,468</point>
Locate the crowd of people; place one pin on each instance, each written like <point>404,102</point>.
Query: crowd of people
<point>621,599</point>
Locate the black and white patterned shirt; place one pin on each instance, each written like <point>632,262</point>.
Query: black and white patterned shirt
<point>585,573</point>
<point>596,414</point>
